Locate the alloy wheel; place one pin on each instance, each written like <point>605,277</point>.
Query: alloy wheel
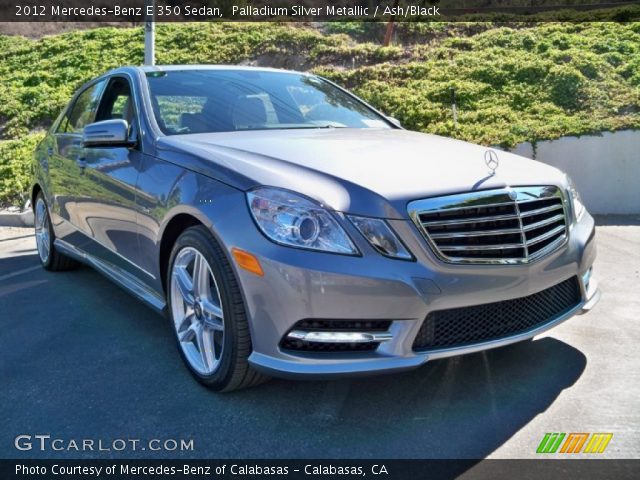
<point>196,311</point>
<point>43,234</point>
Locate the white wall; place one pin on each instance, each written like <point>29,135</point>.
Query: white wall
<point>605,168</point>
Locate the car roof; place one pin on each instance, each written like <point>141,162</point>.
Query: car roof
<point>178,68</point>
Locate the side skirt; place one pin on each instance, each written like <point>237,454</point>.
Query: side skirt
<point>115,274</point>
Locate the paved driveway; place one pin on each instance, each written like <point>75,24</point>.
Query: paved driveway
<point>80,359</point>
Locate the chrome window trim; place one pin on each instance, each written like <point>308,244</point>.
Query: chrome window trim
<point>493,197</point>
<point>55,128</point>
<point>136,101</point>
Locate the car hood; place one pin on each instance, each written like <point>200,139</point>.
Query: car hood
<point>361,171</point>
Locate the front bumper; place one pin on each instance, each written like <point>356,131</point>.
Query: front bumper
<point>300,284</point>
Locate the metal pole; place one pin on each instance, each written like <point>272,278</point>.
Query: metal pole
<point>150,33</point>
<point>454,108</point>
<point>390,25</point>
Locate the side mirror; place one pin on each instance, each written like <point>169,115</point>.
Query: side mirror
<point>108,133</point>
<point>395,121</point>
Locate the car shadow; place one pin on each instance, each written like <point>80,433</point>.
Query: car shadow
<point>462,407</point>
<point>83,359</point>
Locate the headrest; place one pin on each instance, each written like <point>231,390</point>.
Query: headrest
<point>249,111</point>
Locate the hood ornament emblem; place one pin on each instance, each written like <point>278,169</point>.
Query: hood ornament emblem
<point>491,161</point>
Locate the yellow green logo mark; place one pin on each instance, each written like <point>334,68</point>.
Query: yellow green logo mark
<point>574,442</point>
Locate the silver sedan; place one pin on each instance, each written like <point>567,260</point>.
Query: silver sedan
<point>287,228</point>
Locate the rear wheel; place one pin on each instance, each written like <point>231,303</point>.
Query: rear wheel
<point>50,257</point>
<point>207,313</point>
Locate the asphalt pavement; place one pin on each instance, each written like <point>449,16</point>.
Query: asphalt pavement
<point>81,359</point>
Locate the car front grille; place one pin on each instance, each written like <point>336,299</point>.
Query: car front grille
<point>503,226</point>
<point>493,321</point>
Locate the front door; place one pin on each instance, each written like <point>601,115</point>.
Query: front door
<point>69,184</point>
<point>109,213</point>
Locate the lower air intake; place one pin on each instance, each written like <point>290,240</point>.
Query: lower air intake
<point>493,321</point>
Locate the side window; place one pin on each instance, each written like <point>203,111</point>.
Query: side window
<point>117,102</point>
<point>83,111</point>
<point>121,107</point>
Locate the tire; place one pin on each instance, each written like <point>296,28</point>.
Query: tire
<point>50,258</point>
<point>207,313</point>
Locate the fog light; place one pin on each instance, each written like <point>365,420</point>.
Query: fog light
<point>339,337</point>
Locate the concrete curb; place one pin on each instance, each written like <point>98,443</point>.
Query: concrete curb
<point>22,219</point>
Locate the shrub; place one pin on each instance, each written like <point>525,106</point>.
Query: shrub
<point>566,85</point>
<point>514,82</point>
<point>15,168</point>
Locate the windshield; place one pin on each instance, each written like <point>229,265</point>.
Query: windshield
<point>202,101</point>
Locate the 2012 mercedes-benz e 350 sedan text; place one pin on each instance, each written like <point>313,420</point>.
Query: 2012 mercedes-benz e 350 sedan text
<point>287,228</point>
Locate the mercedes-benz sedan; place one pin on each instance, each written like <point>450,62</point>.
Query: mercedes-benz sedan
<point>287,228</point>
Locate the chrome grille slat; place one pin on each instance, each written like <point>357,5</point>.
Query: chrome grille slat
<point>479,205</point>
<point>541,210</point>
<point>461,248</point>
<point>479,220</point>
<point>508,225</point>
<point>542,223</point>
<point>506,260</point>
<point>545,236</point>
<point>478,233</point>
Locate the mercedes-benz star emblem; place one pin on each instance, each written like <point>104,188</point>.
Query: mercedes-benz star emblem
<point>491,160</point>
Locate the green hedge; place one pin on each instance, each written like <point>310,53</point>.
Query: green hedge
<point>513,82</point>
<point>15,168</point>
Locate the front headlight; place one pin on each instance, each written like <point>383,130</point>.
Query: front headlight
<point>381,237</point>
<point>295,221</point>
<point>576,202</point>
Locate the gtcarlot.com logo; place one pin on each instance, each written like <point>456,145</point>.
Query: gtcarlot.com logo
<point>574,442</point>
<point>47,443</point>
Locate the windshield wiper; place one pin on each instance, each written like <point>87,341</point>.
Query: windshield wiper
<point>307,127</point>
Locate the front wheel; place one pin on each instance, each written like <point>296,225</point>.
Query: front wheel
<point>207,313</point>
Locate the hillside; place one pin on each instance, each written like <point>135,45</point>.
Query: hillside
<point>513,82</point>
